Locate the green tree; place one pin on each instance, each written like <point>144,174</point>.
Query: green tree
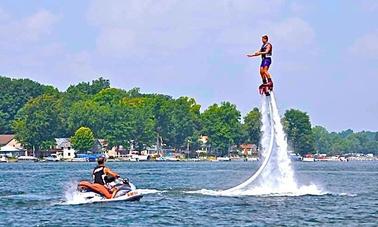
<point>298,129</point>
<point>110,96</point>
<point>353,143</point>
<point>372,147</point>
<point>252,127</point>
<point>222,125</point>
<point>3,122</point>
<point>134,92</point>
<point>83,140</point>
<point>321,139</point>
<point>14,94</point>
<point>38,122</point>
<point>118,127</point>
<point>116,117</point>
<point>85,90</point>
<point>346,133</point>
<point>143,124</point>
<point>161,107</point>
<point>184,120</point>
<point>90,114</point>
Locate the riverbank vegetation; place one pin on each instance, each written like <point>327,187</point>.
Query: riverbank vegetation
<point>37,114</point>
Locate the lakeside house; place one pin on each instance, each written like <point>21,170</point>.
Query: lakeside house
<point>99,146</point>
<point>10,147</point>
<point>204,147</point>
<point>117,152</point>
<point>249,150</point>
<point>63,147</point>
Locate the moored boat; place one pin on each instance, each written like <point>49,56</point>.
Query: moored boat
<point>3,158</point>
<point>27,159</point>
<point>223,159</point>
<point>308,158</point>
<point>53,158</point>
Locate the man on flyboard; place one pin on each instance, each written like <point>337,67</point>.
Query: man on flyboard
<point>266,53</point>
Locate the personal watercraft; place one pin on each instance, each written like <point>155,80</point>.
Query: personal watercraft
<point>119,189</point>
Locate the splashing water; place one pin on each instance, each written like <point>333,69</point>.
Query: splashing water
<point>267,147</point>
<point>73,197</point>
<point>275,176</point>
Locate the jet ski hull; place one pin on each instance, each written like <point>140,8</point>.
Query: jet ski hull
<point>90,192</point>
<point>94,197</point>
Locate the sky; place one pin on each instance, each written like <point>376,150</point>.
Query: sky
<point>325,53</point>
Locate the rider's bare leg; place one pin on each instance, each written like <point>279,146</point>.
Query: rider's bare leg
<point>268,77</point>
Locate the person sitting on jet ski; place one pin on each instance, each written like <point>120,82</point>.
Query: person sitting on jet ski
<point>266,53</point>
<point>103,175</point>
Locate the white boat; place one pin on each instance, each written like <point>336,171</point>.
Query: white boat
<point>79,160</point>
<point>332,159</point>
<point>193,160</point>
<point>3,158</point>
<point>143,157</point>
<point>53,158</point>
<point>171,159</point>
<point>223,159</point>
<point>308,159</point>
<point>134,158</point>
<point>295,157</point>
<point>27,159</point>
<point>160,159</point>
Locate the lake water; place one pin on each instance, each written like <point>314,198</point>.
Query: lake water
<point>35,194</point>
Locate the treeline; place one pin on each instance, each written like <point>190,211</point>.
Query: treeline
<point>121,117</point>
<point>14,94</point>
<point>37,114</point>
<point>345,142</point>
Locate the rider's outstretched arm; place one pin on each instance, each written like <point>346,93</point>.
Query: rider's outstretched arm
<point>253,55</point>
<point>111,173</point>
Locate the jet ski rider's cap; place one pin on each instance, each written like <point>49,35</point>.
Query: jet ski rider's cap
<point>101,160</point>
<point>264,36</point>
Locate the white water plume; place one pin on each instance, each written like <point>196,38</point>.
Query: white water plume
<point>275,176</point>
<point>267,147</point>
<point>278,176</point>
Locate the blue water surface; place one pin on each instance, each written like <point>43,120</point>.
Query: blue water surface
<point>33,194</point>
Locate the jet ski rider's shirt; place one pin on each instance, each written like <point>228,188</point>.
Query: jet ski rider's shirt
<point>100,172</point>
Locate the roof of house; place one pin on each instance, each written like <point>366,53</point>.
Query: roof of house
<point>10,149</point>
<point>103,142</point>
<point>63,142</point>
<point>5,139</point>
<point>247,146</point>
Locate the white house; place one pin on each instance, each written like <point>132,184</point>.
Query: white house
<point>10,146</point>
<point>68,154</point>
<point>64,145</point>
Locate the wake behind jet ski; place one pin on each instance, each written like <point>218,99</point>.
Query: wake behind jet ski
<point>118,189</point>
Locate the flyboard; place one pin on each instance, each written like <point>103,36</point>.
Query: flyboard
<point>269,152</point>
